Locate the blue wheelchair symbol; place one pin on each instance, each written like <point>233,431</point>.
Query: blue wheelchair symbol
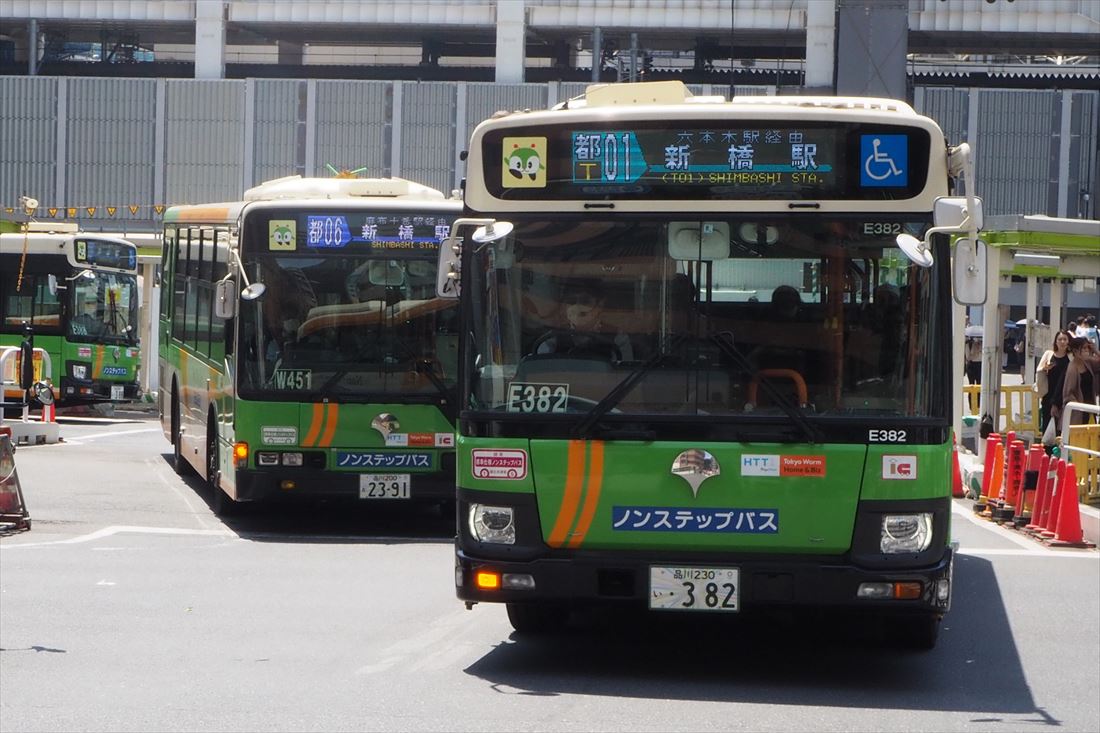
<point>885,160</point>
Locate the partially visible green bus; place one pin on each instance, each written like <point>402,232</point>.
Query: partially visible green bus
<point>78,292</point>
<point>303,351</point>
<point>706,363</point>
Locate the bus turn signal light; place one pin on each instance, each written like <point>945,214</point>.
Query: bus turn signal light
<point>488,580</point>
<point>240,454</point>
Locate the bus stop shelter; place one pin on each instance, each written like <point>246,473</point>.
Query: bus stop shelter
<point>1056,257</point>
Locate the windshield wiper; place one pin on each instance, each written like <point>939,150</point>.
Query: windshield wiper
<point>793,411</point>
<point>425,367</point>
<point>619,391</point>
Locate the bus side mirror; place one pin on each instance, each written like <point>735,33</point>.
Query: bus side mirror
<point>225,299</point>
<point>449,270</point>
<point>51,284</point>
<point>953,212</point>
<point>968,272</point>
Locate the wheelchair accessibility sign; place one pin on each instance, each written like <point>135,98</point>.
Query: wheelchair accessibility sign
<point>885,160</point>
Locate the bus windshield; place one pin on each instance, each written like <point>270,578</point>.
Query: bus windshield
<point>727,319</point>
<point>104,307</point>
<point>350,327</point>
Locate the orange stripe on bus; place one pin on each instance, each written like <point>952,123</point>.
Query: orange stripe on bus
<point>204,214</point>
<point>314,426</point>
<point>97,367</point>
<point>574,480</point>
<point>330,428</point>
<point>592,495</point>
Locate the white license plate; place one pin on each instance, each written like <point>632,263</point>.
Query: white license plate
<point>384,486</point>
<point>118,392</point>
<point>694,589</point>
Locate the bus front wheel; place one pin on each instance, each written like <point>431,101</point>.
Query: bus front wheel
<point>536,618</point>
<point>179,463</point>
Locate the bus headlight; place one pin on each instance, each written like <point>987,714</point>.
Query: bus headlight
<point>902,533</point>
<point>80,371</point>
<point>495,524</point>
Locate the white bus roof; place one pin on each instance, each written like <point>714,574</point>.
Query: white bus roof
<point>307,191</point>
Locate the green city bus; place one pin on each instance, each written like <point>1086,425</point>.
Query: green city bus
<point>303,351</point>
<point>78,293</point>
<point>706,363</point>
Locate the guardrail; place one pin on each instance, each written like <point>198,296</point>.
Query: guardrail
<point>1019,407</point>
<point>1082,444</point>
<point>9,370</point>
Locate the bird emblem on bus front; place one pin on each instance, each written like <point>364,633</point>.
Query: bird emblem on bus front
<point>695,466</point>
<point>385,423</point>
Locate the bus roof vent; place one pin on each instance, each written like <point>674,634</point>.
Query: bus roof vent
<point>862,103</point>
<point>51,227</point>
<point>646,92</point>
<point>296,187</point>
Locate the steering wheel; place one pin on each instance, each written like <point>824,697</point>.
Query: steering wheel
<point>596,344</point>
<point>791,374</point>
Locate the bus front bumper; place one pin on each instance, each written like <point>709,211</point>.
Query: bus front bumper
<point>590,577</point>
<point>264,485</point>
<point>94,390</point>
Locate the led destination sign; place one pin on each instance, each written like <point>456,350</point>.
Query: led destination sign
<point>391,234</point>
<point>750,157</point>
<point>97,253</point>
<point>716,159</point>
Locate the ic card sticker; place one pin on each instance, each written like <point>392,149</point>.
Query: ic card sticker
<point>899,468</point>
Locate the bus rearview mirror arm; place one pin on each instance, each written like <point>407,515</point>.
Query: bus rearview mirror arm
<point>448,278</point>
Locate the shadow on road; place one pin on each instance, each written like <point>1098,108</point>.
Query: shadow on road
<point>805,659</point>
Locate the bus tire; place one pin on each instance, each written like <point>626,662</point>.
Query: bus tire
<point>179,463</point>
<point>536,618</point>
<point>918,633</point>
<point>220,502</point>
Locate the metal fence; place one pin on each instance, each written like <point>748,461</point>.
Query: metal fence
<point>111,153</point>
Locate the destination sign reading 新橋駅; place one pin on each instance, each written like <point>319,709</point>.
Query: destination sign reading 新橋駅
<point>721,156</point>
<point>393,234</point>
<point>715,159</point>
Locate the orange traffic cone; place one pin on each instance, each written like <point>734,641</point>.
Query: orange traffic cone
<point>1054,505</point>
<point>1069,532</point>
<point>995,480</point>
<point>956,474</point>
<point>1042,494</point>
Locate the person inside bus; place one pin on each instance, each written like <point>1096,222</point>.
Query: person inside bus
<point>586,333</point>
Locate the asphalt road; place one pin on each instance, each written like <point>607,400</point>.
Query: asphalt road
<point>129,606</point>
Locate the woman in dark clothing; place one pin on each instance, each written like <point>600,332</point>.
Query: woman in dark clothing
<point>1081,380</point>
<point>1052,370</point>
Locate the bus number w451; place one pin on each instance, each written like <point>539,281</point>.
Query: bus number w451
<point>299,379</point>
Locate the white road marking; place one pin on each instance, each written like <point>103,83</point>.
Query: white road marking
<point>1066,554</point>
<point>96,436</point>
<point>120,529</point>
